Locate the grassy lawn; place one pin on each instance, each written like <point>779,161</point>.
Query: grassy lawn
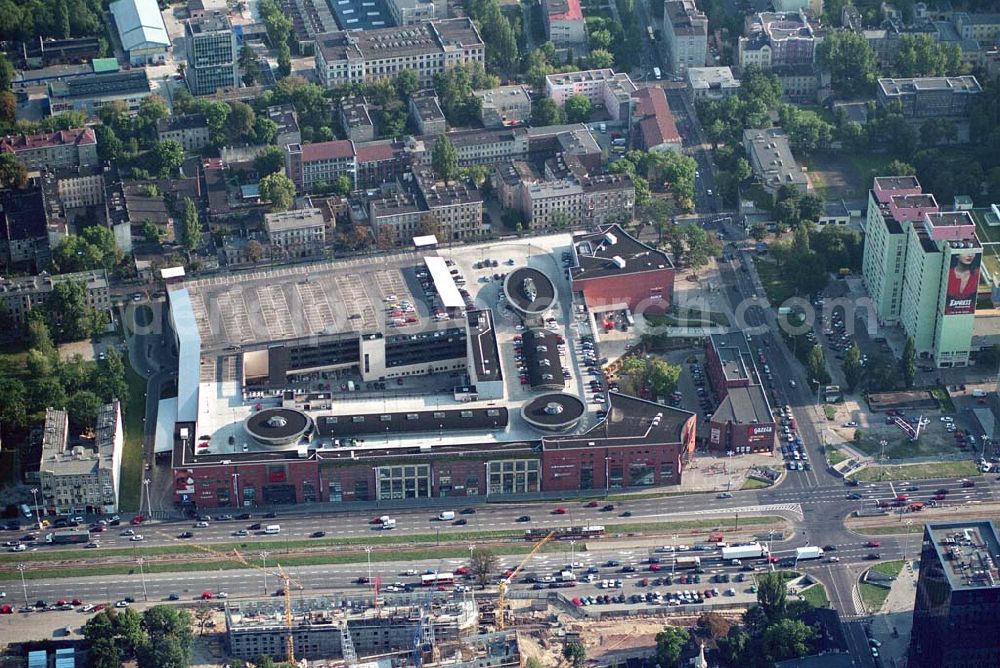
<point>869,164</point>
<point>963,468</point>
<point>753,483</point>
<point>829,411</point>
<point>131,483</point>
<point>889,568</point>
<point>941,394</point>
<point>834,456</point>
<point>873,596</point>
<point>816,595</point>
<point>777,290</point>
<point>890,530</point>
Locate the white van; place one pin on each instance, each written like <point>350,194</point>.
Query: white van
<point>272,529</point>
<point>446,516</point>
<point>388,523</point>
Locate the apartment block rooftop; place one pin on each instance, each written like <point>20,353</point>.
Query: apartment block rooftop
<point>897,182</point>
<point>354,111</point>
<point>961,84</point>
<point>409,40</point>
<point>969,552</point>
<point>210,23</point>
<point>295,219</point>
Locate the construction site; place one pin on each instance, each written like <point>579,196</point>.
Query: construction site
<point>427,629</point>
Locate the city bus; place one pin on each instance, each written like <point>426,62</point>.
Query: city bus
<point>566,533</point>
<point>437,579</point>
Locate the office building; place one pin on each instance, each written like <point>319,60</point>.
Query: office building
<point>713,83</point>
<point>26,238</point>
<point>141,30</point>
<point>408,12</point>
<point>212,55</point>
<point>309,164</point>
<point>422,201</point>
<point>355,119</point>
<point>284,116</point>
<point>564,25</point>
<point>685,31</point>
<point>930,97</point>
<point>772,161</point>
<point>426,113</point>
<point>604,88</point>
<point>743,421</point>
<point>89,93</point>
<point>504,106</point>
<point>20,295</point>
<point>983,28</point>
<point>189,130</point>
<point>428,49</point>
<point>488,146</point>
<point>83,478</point>
<point>778,39</point>
<point>296,233</point>
<point>54,150</point>
<point>958,596</point>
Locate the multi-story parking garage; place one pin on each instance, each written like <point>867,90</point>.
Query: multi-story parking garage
<point>347,381</point>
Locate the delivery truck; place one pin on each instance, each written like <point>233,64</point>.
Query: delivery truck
<point>809,552</point>
<point>68,537</point>
<point>749,551</point>
<point>688,562</point>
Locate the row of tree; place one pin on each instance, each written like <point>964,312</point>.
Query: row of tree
<point>159,637</point>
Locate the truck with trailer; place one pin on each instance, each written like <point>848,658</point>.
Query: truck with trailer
<point>68,537</point>
<point>688,562</point>
<point>748,551</point>
<point>808,552</point>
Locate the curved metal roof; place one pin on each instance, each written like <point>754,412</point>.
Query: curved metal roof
<point>140,23</point>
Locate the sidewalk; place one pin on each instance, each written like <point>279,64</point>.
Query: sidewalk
<point>891,626</point>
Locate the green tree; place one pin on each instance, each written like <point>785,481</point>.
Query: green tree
<point>46,393</point>
<point>533,662</point>
<point>575,653</point>
<point>663,377</point>
<point>758,231</point>
<point>670,644</point>
<point>852,367</point>
<point>816,365</point>
<point>70,318</point>
<point>13,405</point>
<point>249,65</point>
<point>6,73</point>
<point>163,621</point>
<point>800,240</point>
<point>810,207</point>
<point>407,83</point>
<point>600,59</point>
<point>279,190</point>
<point>578,109</point>
<point>715,624</point>
<point>83,407</point>
<point>271,159</point>
<point>192,225</point>
<point>733,647</point>
<point>544,111</point>
<point>13,173</point>
<point>343,185</point>
<point>40,340</point>
<point>850,61</point>
<point>444,159</point>
<point>240,123</point>
<point>786,639</point>
<point>908,361</point>
<point>700,247</point>
<point>168,156</point>
<point>772,595</point>
<point>900,168</point>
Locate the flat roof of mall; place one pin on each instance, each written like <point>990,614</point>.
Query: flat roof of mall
<point>613,252</point>
<point>630,421</point>
<point>968,552</point>
<point>293,302</point>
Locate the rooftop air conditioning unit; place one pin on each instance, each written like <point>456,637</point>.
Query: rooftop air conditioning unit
<point>619,261</point>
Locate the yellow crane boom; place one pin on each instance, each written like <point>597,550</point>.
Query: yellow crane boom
<point>502,587</point>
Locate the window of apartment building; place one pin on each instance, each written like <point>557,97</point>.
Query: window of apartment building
<point>361,490</point>
<point>403,482</point>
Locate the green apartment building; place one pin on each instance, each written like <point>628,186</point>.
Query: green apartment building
<point>921,267</point>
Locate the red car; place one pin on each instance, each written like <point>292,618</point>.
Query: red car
<point>206,595</point>
<point>873,543</point>
<point>76,601</point>
<point>939,497</point>
<point>462,570</point>
<point>592,504</point>
<point>138,519</point>
<point>654,567</point>
<point>559,511</point>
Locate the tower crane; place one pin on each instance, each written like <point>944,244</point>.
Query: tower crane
<point>505,583</point>
<point>424,632</point>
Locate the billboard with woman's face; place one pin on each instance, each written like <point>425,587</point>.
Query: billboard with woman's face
<point>963,283</point>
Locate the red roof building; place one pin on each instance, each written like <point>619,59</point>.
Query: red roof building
<point>657,128</point>
<point>564,24</point>
<point>65,148</point>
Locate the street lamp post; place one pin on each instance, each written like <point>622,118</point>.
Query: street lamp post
<point>24,587</point>
<point>34,495</point>
<point>572,555</point>
<point>368,555</point>
<point>263,561</point>
<point>149,501</point>
<point>236,489</point>
<point>607,476</point>
<point>142,574</point>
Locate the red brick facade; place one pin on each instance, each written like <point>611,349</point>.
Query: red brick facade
<point>642,292</point>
